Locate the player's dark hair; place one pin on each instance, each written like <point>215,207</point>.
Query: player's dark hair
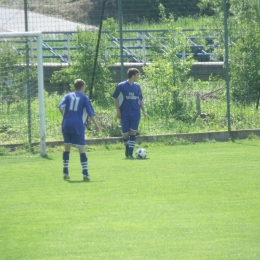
<point>131,72</point>
<point>79,83</point>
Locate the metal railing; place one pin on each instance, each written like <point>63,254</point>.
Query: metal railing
<point>59,46</point>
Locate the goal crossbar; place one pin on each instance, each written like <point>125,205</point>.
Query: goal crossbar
<point>38,36</point>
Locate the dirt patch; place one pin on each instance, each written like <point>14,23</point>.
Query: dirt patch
<point>68,9</point>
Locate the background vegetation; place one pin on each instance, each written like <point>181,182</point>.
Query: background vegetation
<point>175,101</point>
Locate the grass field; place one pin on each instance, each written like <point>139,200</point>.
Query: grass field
<point>183,202</point>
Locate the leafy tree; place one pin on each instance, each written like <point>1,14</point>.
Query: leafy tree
<point>213,7</point>
<point>167,75</point>
<point>244,32</point>
<point>245,54</point>
<point>83,62</point>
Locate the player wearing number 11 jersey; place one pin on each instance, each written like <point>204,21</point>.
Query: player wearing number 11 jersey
<point>75,107</point>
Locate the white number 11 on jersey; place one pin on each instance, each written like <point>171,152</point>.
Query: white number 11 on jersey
<point>74,103</point>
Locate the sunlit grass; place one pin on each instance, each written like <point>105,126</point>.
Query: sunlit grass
<point>183,202</point>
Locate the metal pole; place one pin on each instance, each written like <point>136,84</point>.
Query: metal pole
<point>226,62</point>
<point>25,16</point>
<point>29,121</point>
<point>41,96</point>
<point>97,51</point>
<point>120,22</point>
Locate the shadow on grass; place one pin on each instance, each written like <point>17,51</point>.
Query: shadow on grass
<point>136,159</point>
<point>246,144</point>
<point>73,182</point>
<point>46,157</point>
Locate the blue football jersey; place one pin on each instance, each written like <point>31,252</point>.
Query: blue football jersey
<point>77,107</point>
<point>129,97</point>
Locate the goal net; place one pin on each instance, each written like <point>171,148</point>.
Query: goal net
<point>22,114</point>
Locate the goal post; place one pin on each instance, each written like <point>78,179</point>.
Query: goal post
<point>40,80</point>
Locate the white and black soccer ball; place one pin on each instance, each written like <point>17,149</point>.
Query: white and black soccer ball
<point>140,153</point>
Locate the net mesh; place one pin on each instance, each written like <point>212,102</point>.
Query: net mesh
<point>19,121</point>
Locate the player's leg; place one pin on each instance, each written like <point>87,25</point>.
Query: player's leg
<point>84,163</point>
<point>132,141</point>
<point>126,142</point>
<point>125,134</point>
<point>66,155</point>
<point>132,135</point>
<point>83,157</point>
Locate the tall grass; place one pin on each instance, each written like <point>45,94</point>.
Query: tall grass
<point>14,127</point>
<point>197,22</point>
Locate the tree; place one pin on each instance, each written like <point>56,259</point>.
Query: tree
<point>83,61</point>
<point>245,54</point>
<point>167,75</point>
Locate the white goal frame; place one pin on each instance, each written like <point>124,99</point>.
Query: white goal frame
<point>38,36</point>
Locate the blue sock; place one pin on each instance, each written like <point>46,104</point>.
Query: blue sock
<point>125,141</point>
<point>84,163</point>
<point>132,139</point>
<point>66,159</point>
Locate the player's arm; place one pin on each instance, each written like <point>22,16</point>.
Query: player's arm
<point>117,95</point>
<point>61,111</point>
<point>62,105</point>
<point>93,119</point>
<point>118,113</point>
<point>142,107</point>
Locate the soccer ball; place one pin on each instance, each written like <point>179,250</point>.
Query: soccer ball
<point>140,153</point>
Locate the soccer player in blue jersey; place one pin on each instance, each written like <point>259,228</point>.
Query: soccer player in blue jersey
<point>75,107</point>
<point>128,100</point>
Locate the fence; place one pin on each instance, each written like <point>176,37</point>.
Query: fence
<point>165,41</point>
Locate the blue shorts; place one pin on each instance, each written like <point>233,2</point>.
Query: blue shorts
<point>74,139</point>
<point>130,123</point>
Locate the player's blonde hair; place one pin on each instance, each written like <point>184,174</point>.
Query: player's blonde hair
<point>79,83</point>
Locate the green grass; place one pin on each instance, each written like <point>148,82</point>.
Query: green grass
<point>198,22</point>
<point>183,202</point>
